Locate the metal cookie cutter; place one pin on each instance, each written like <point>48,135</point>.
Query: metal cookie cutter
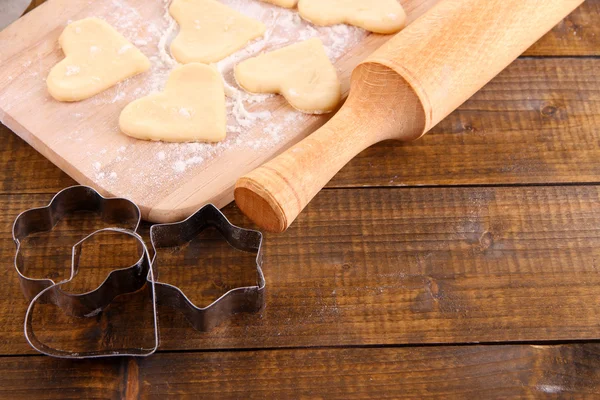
<point>136,277</point>
<point>44,219</point>
<point>118,282</point>
<point>243,299</point>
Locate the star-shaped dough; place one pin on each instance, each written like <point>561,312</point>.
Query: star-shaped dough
<point>210,31</point>
<point>96,58</point>
<point>302,73</point>
<point>191,108</point>
<point>379,16</point>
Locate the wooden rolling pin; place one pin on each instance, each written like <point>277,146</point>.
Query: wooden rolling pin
<point>400,92</point>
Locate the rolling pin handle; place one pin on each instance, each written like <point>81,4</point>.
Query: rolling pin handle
<point>381,106</point>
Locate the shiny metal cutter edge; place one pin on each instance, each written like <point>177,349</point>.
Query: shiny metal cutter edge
<point>118,282</point>
<point>237,300</point>
<point>244,299</point>
<point>44,219</point>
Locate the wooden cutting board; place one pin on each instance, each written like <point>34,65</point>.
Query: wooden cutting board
<point>168,181</point>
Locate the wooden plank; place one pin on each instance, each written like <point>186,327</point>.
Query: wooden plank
<point>535,123</point>
<point>577,35</point>
<point>47,378</point>
<point>379,266</point>
<point>491,372</point>
<point>24,170</point>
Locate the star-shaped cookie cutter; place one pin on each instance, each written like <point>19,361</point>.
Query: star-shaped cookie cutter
<point>242,299</point>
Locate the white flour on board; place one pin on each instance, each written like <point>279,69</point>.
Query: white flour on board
<point>245,112</point>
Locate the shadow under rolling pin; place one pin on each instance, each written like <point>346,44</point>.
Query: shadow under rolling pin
<point>400,92</point>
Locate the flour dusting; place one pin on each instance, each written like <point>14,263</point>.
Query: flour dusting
<point>152,31</point>
<point>72,70</point>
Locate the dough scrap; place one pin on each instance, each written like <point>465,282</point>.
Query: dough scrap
<point>283,3</point>
<point>191,108</point>
<point>302,73</point>
<point>96,58</point>
<point>210,31</point>
<point>379,16</point>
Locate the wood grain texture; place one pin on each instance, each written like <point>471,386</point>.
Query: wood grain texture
<point>381,105</point>
<point>83,138</point>
<point>491,372</point>
<point>396,266</point>
<point>504,134</point>
<point>400,92</point>
<point>576,35</point>
<point>537,122</point>
<point>46,378</point>
<point>26,171</point>
<point>542,233</point>
<point>466,132</point>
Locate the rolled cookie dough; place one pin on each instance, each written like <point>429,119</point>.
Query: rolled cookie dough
<point>96,58</point>
<point>283,3</point>
<point>191,108</point>
<point>380,16</point>
<point>302,73</point>
<point>210,31</point>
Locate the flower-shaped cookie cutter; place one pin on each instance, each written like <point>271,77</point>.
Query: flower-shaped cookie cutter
<point>118,282</point>
<point>68,201</point>
<point>242,299</point>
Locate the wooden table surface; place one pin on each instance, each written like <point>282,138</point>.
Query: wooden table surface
<point>465,264</point>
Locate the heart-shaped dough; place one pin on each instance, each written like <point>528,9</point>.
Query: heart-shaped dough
<point>380,16</point>
<point>302,73</point>
<point>210,31</point>
<point>191,108</point>
<point>283,3</point>
<point>96,58</point>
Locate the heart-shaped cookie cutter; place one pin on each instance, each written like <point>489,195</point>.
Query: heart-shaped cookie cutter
<point>118,282</point>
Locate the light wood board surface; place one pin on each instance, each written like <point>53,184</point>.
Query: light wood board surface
<point>167,181</point>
